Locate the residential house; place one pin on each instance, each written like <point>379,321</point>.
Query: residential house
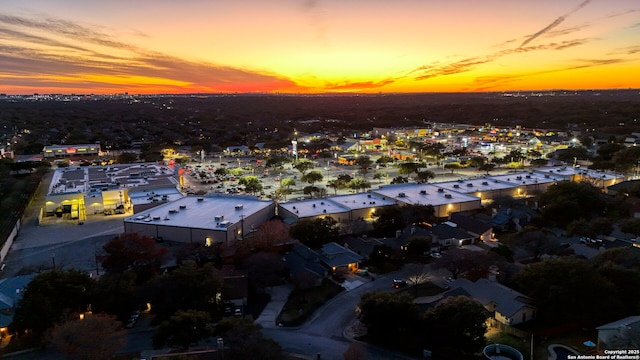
<point>305,268</point>
<point>447,234</point>
<point>506,305</point>
<point>11,290</point>
<point>482,230</point>
<point>339,258</point>
<point>620,334</point>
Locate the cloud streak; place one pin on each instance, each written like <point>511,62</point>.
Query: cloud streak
<point>554,24</point>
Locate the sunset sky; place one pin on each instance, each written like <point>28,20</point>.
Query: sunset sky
<point>316,46</point>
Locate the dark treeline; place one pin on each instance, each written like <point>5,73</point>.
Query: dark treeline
<point>211,122</point>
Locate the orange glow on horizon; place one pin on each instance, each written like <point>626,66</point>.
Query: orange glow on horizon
<point>288,46</point>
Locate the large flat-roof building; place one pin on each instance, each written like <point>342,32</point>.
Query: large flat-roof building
<point>79,191</point>
<point>444,202</point>
<point>342,208</point>
<point>60,151</point>
<point>527,183</point>
<point>211,220</point>
<point>597,178</point>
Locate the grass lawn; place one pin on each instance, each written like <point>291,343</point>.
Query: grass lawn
<point>302,303</point>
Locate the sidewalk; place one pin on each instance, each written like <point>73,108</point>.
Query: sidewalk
<point>279,296</point>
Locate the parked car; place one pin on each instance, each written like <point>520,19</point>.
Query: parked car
<point>397,283</point>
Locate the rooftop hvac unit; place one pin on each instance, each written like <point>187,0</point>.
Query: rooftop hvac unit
<point>239,207</point>
<point>156,218</point>
<point>172,211</point>
<point>423,192</point>
<point>440,190</point>
<point>402,194</point>
<point>456,186</point>
<point>182,207</point>
<point>448,196</point>
<point>200,199</point>
<point>225,223</point>
<point>469,185</point>
<point>485,183</point>
<point>218,217</point>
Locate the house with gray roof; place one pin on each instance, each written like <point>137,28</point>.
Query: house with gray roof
<point>505,304</point>
<point>11,290</point>
<point>482,230</point>
<point>447,234</point>
<point>619,334</point>
<point>338,257</point>
<point>304,266</point>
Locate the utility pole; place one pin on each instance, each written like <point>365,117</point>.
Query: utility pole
<point>53,260</point>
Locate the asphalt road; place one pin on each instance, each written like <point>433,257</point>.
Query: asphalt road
<point>324,333</point>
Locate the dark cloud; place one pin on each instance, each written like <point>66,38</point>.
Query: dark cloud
<point>70,51</point>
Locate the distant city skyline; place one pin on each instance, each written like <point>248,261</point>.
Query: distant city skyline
<point>317,46</point>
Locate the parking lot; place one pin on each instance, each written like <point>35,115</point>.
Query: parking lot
<point>58,241</point>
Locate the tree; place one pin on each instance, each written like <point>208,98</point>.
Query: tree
<point>536,242</point>
<point>221,171</point>
<point>391,319</point>
<point>418,246</point>
<point>384,159</point>
<point>282,191</point>
<point>380,175</point>
<point>251,184</point>
<point>287,183</point>
<point>126,158</point>
<point>453,166</point>
<point>265,269</point>
<point>315,232</point>
<point>97,336</point>
<point>269,235</point>
<point>312,177</point>
<point>539,162</point>
<point>132,251</point>
<point>303,166</point>
<point>187,287</point>
<point>408,168</point>
<point>455,327</point>
<point>568,290</point>
<point>277,161</point>
<point>399,180</point>
<point>477,161</point>
<point>335,185</point>
<point>630,226</point>
<point>244,340</point>
<point>364,163</point>
<point>51,297</point>
<point>184,328</point>
<point>359,183</point>
<point>116,294</point>
<point>425,176</point>
<point>567,201</point>
<point>488,167</point>
<point>416,274</point>
<point>387,220</point>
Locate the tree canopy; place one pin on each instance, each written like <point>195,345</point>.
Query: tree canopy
<point>50,297</point>
<point>567,201</point>
<point>315,232</point>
